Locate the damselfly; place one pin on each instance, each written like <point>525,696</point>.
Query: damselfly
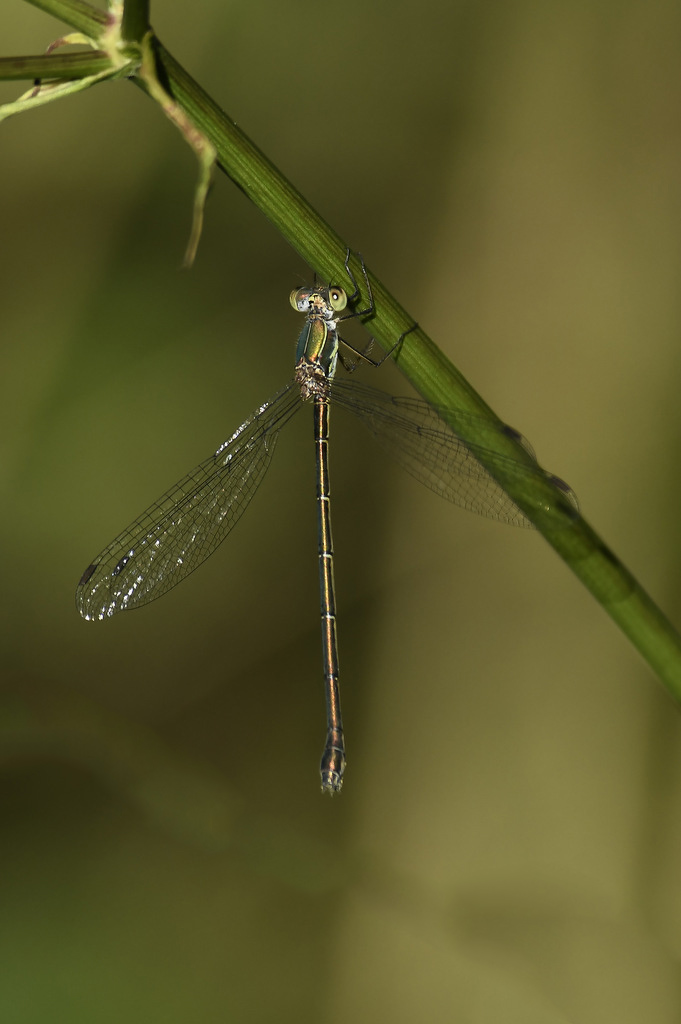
<point>175,534</point>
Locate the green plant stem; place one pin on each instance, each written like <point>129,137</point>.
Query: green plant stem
<point>80,15</point>
<point>135,23</point>
<point>419,359</point>
<point>433,376</point>
<point>48,66</point>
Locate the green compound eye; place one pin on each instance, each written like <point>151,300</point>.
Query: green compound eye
<point>299,299</point>
<point>337,299</point>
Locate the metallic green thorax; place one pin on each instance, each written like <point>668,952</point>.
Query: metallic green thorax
<point>318,343</point>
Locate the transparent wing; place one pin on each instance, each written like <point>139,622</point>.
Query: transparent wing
<point>180,530</point>
<point>426,446</point>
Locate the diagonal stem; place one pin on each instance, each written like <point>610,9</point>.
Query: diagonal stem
<point>418,357</point>
<point>80,15</point>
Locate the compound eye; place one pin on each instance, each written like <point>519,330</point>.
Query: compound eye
<point>337,299</point>
<point>300,299</point>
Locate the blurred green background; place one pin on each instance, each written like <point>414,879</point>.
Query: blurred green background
<point>508,841</point>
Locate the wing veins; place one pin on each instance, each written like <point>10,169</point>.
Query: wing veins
<point>178,531</point>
